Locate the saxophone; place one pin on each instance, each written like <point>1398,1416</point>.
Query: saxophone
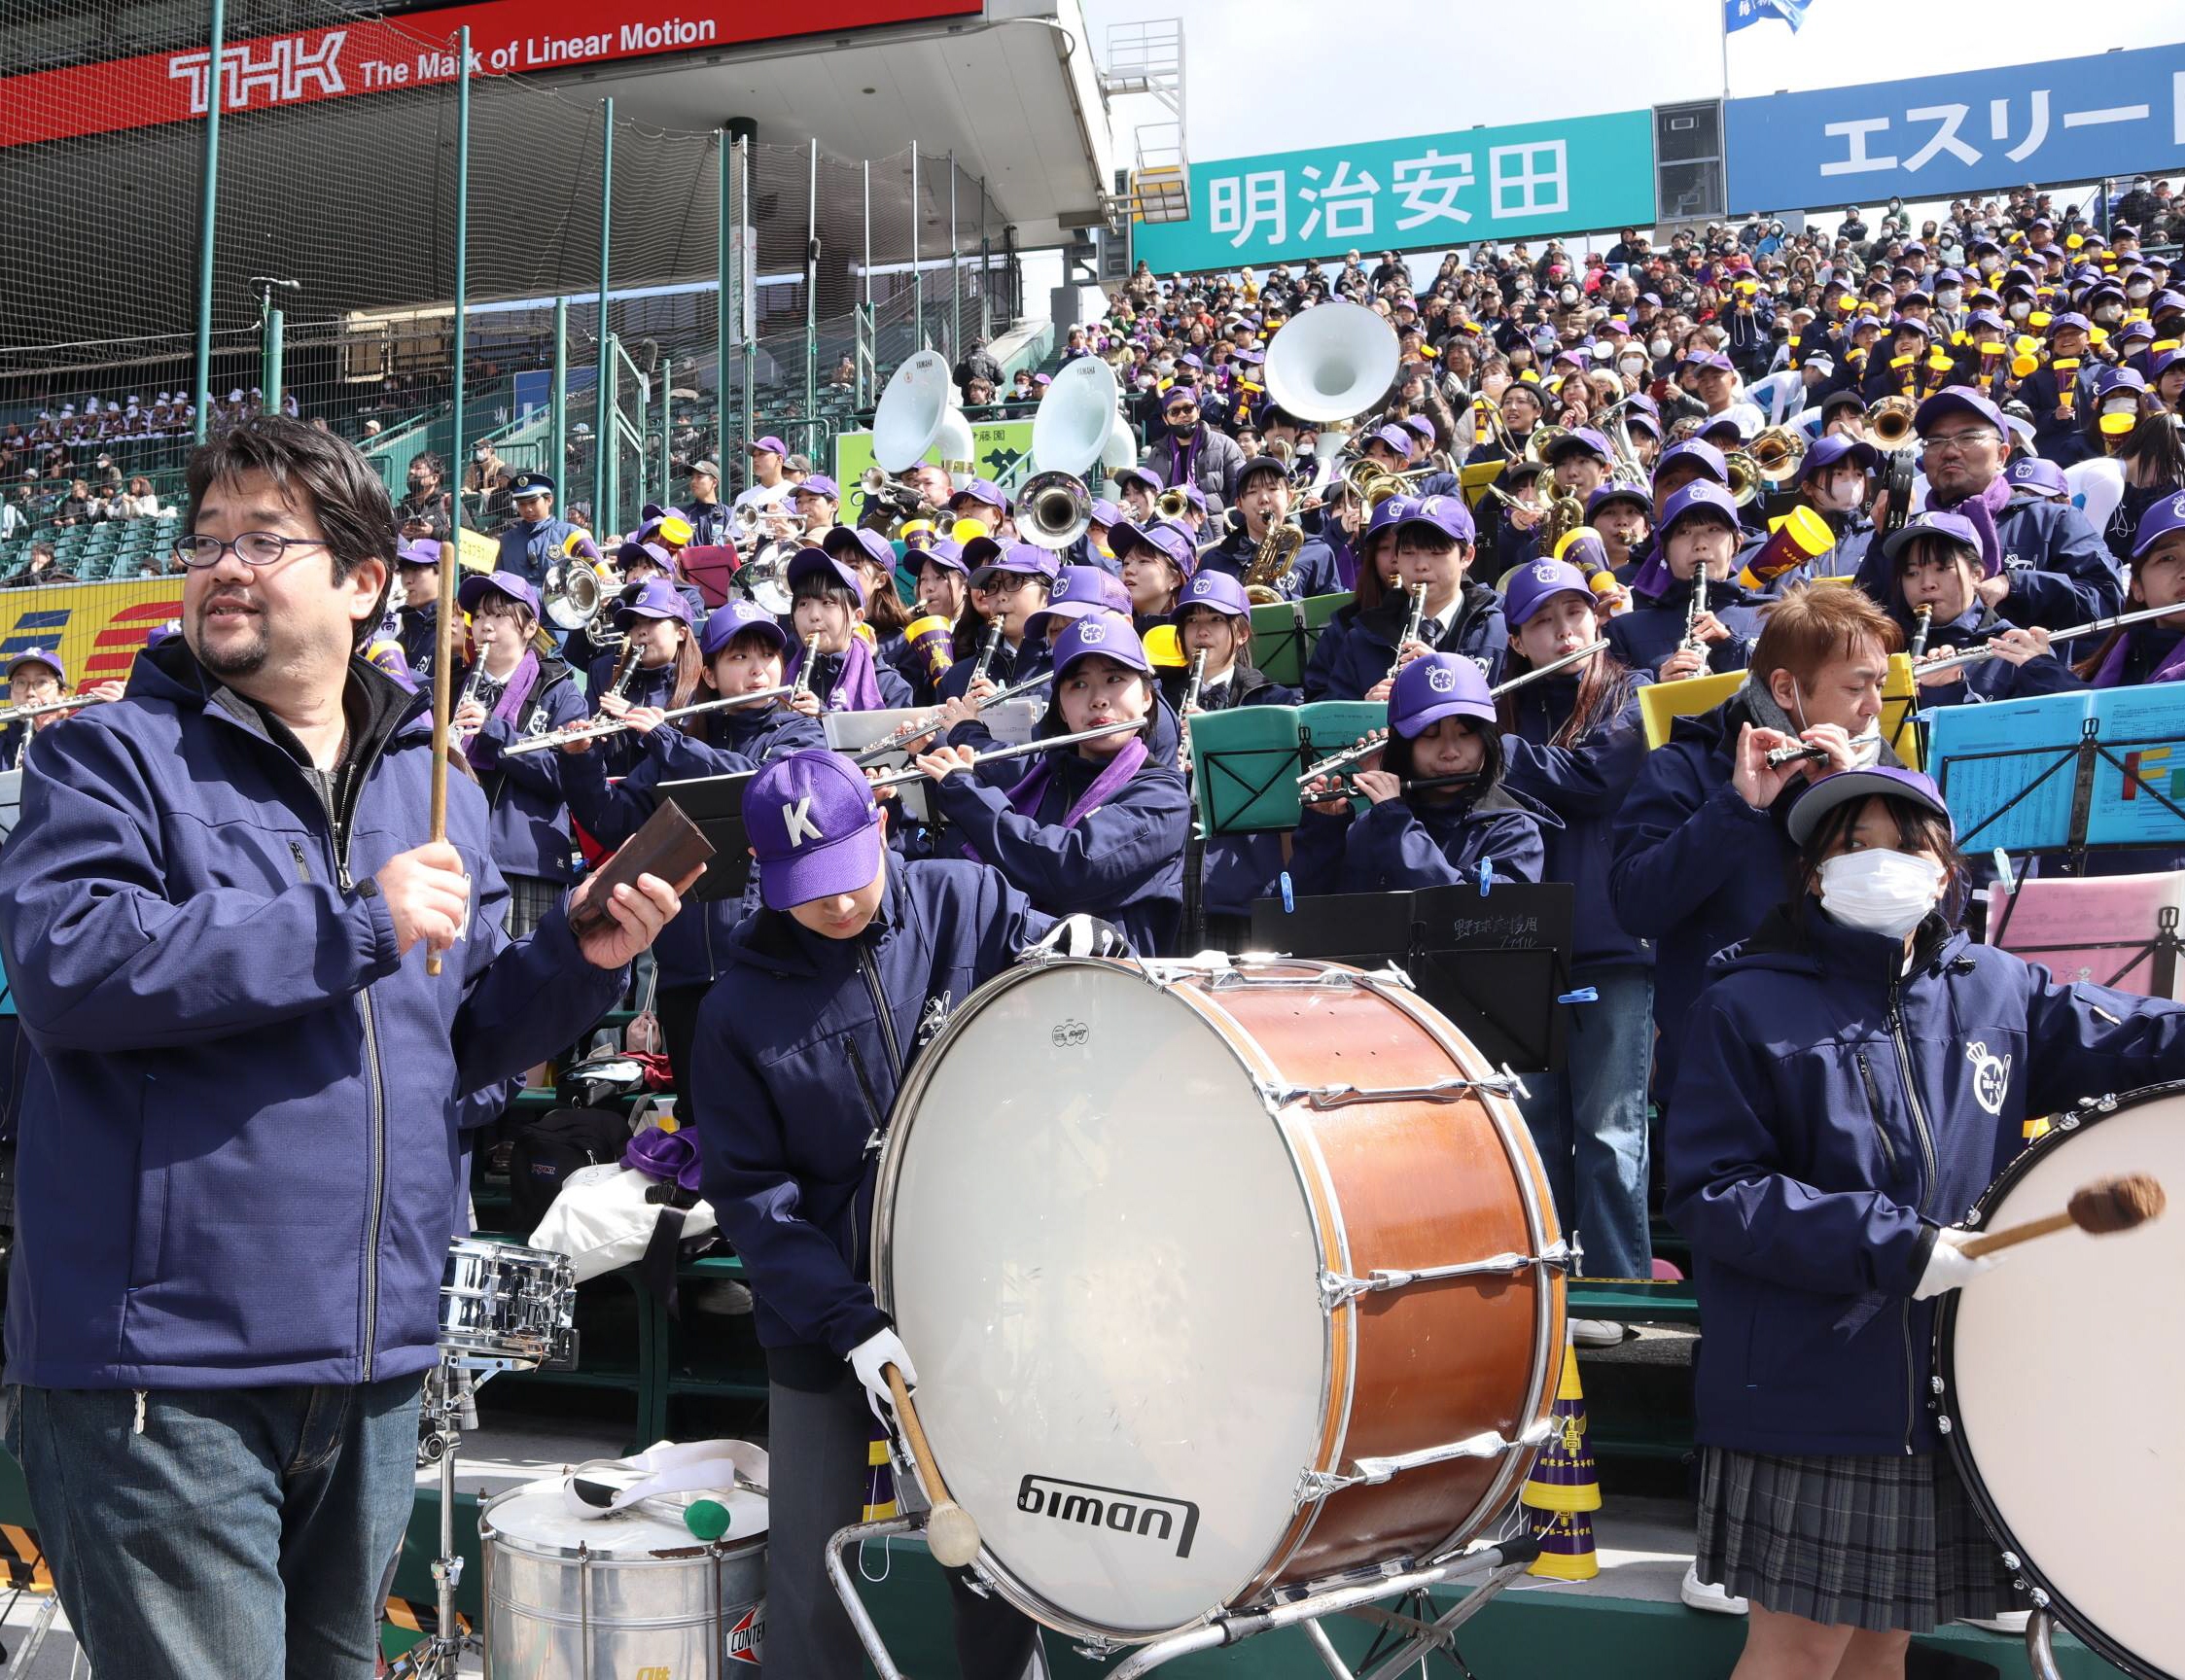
<point>1271,564</point>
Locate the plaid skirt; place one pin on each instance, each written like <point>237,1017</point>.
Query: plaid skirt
<point>1884,1543</point>
<point>530,897</point>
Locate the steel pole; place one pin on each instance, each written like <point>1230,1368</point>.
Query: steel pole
<point>745,254</point>
<point>955,274</point>
<point>812,302</point>
<point>602,383</point>
<point>461,263</point>
<point>557,422</point>
<point>208,216</point>
<point>269,358</point>
<point>725,332</point>
<point>917,280</point>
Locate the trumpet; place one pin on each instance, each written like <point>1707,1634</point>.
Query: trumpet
<point>1171,504</point>
<point>1888,424</point>
<point>1053,509</point>
<point>616,725</point>
<point>1778,453</point>
<point>1745,476</point>
<point>898,778</point>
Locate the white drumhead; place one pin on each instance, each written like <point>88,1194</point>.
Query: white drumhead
<point>2066,1376</point>
<point>1104,1265</point>
<point>538,1519</point>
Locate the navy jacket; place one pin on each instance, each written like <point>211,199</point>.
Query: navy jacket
<point>1312,569</point>
<point>1328,650</point>
<point>1400,846</point>
<point>1011,666</point>
<point>1123,860</point>
<point>525,793</point>
<point>418,639</point>
<point>1369,646</point>
<point>795,1068</point>
<point>620,752</point>
<point>895,691</point>
<point>2060,574</point>
<point>1585,785</point>
<point>1240,869</point>
<point>1694,867</point>
<point>1990,679</point>
<point>1830,1114</point>
<point>240,1169</point>
<point>1649,633</point>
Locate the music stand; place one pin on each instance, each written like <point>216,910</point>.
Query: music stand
<point>715,804</point>
<point>1496,965</point>
<point>1285,633</point>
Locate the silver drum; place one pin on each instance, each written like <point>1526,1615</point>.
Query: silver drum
<point>505,1303</point>
<point>628,1594</point>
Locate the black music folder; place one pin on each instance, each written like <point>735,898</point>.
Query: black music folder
<point>715,804</point>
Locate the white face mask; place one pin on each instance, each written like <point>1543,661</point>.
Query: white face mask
<point>2139,290</point>
<point>1880,892</point>
<point>1990,264</point>
<point>1946,297</point>
<point>1841,492</point>
<point>1657,348</point>
<point>2108,314</point>
<point>2020,311</point>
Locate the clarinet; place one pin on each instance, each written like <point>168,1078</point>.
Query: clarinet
<point>1692,642</point>
<point>1921,623</point>
<point>987,650</point>
<point>1410,630</point>
<point>804,668</point>
<point>471,685</point>
<point>1191,699</point>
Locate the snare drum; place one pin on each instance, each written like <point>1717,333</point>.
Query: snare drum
<point>1220,1280</point>
<point>628,1594</point>
<point>505,1304</point>
<point>2059,1385</point>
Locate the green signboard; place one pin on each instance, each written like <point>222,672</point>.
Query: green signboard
<point>1523,181</point>
<point>998,447</point>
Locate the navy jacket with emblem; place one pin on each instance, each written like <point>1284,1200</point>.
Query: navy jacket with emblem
<point>524,793</point>
<point>1652,630</point>
<point>1832,1110</point>
<point>1368,648</point>
<point>2060,574</point>
<point>1403,845</point>
<point>800,1048</point>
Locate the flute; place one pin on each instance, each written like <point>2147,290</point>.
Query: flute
<point>2093,627</point>
<point>917,726</point>
<point>44,708</point>
<point>1410,630</point>
<point>898,778</point>
<point>1548,670</point>
<point>615,726</point>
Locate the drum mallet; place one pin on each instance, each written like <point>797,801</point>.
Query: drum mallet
<point>2106,1206</point>
<point>951,1533</point>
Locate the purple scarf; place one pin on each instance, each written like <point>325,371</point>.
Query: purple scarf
<point>1024,798</point>
<point>672,1156</point>
<point>1980,511</point>
<point>2111,672</point>
<point>1184,456</point>
<point>517,694</point>
<point>855,687</point>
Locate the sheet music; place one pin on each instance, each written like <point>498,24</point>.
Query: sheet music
<point>1009,723</point>
<point>1986,755</point>
<point>2093,928</point>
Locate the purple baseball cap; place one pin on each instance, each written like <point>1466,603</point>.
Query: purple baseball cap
<point>1159,535</point>
<point>1712,359</point>
<point>1434,687</point>
<point>1107,634</point>
<point>1126,476</point>
<point>1384,517</point>
<point>473,588</point>
<point>981,490</point>
<point>1530,586</point>
<point>1950,527</point>
<point>818,562</point>
<point>818,484</point>
<point>44,656</point>
<point>2041,477</point>
<point>1700,493</point>
<point>1824,793</point>
<point>1580,438</point>
<point>654,598</point>
<point>1957,399</point>
<point>1422,426</point>
<point>859,542</point>
<point>1177,396</point>
<point>944,554</point>
<point>424,551</point>
<point>1081,592</point>
<point>726,622</point>
<point>643,554</point>
<point>1446,515</point>
<point>2069,318</point>
<point>985,554</point>
<point>773,445</point>
<point>2159,522</point>
<point>1105,514</point>
<point>1829,450</point>
<point>1401,438</point>
<point>1256,465</point>
<point>1218,590</point>
<point>1615,492</point>
<point>814,828</point>
<point>1706,455</point>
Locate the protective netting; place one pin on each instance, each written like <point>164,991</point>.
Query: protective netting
<point>349,201</point>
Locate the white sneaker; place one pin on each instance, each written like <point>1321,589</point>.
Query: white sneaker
<point>2012,1622</point>
<point>1599,1332</point>
<point>1699,1596</point>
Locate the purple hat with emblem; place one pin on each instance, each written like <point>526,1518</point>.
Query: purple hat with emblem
<point>818,484</point>
<point>1615,492</point>
<point>1107,634</point>
<point>945,554</point>
<point>818,563</point>
<point>1834,447</point>
<point>1700,494</point>
<point>630,554</point>
<point>654,598</point>
<point>985,554</point>
<point>423,551</point>
<point>475,588</point>
<point>1953,528</point>
<point>44,656</point>
<point>1957,399</point>
<point>1160,535</point>
<point>1706,455</point>
<point>729,620</point>
<point>814,828</point>
<point>1530,586</point>
<point>1580,438</point>
<point>1126,476</point>
<point>859,542</point>
<point>1434,687</point>
<point>1445,516</point>
<point>1218,590</point>
<point>980,490</point>
<point>2159,522</point>
<point>772,445</point>
<point>2041,477</point>
<point>1080,591</point>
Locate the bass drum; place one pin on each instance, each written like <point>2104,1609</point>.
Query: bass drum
<point>1150,1235</point>
<point>2058,1388</point>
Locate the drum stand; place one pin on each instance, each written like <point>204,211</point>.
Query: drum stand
<point>1493,1566</point>
<point>450,1407</point>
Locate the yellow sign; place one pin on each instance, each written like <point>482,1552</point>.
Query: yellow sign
<point>97,628</point>
<point>998,447</point>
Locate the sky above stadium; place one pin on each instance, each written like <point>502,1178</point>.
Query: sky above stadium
<point>1271,75</point>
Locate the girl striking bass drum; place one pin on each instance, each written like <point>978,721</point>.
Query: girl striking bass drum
<point>1221,1279</point>
<point>2057,1388</point>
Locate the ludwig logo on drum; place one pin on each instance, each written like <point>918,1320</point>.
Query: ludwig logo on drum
<point>1147,1515</point>
<point>1069,1034</point>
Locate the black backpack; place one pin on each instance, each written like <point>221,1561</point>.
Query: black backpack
<point>550,1148</point>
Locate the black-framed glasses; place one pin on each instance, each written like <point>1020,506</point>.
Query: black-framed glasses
<point>198,552</point>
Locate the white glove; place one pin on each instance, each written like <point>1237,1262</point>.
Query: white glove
<point>1078,936</point>
<point>869,1356</point>
<point>1950,1267</point>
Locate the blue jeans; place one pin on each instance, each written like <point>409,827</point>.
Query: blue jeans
<point>1588,1121</point>
<point>242,1532</point>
